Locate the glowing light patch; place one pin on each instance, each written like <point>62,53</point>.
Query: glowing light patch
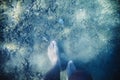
<point>106,7</point>
<point>17,10</point>
<point>11,46</point>
<point>81,15</point>
<point>39,62</point>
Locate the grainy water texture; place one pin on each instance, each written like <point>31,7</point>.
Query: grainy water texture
<point>85,31</point>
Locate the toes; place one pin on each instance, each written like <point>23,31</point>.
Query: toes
<point>70,63</point>
<point>52,45</point>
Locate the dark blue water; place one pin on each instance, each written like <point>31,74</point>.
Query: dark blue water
<point>87,32</point>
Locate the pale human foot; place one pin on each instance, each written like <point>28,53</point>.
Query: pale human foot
<point>70,68</point>
<point>53,53</point>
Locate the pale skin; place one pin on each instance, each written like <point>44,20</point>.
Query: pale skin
<point>54,72</point>
<point>53,56</point>
<point>53,53</point>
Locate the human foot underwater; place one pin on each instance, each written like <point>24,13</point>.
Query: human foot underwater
<point>54,73</point>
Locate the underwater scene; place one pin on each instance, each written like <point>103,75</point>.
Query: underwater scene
<point>86,32</point>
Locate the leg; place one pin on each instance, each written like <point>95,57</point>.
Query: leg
<point>54,73</point>
<point>74,74</point>
<point>70,68</point>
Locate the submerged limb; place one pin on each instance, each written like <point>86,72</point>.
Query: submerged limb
<point>54,73</point>
<point>70,68</point>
